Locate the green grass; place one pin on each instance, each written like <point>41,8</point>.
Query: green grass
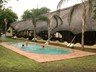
<point>13,62</point>
<point>10,40</point>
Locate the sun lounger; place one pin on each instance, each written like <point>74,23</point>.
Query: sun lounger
<point>71,45</point>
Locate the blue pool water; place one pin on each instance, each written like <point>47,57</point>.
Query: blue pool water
<point>35,48</point>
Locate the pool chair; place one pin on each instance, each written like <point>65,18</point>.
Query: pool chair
<point>71,45</point>
<point>68,45</point>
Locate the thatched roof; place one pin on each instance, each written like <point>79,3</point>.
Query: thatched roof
<point>75,25</point>
<point>23,25</point>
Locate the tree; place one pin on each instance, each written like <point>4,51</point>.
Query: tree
<point>36,15</point>
<point>40,14</point>
<point>36,12</point>
<point>9,15</point>
<point>57,19</point>
<point>1,3</point>
<point>83,15</point>
<point>26,15</point>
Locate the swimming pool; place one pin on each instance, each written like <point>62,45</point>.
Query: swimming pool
<point>36,48</point>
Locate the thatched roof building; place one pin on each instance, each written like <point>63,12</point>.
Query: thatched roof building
<point>76,23</point>
<point>67,31</point>
<point>74,27</point>
<point>23,25</point>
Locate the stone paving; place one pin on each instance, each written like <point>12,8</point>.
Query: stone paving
<point>47,58</point>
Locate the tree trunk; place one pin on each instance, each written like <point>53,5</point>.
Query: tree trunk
<point>5,20</point>
<point>83,23</point>
<point>83,27</point>
<point>34,33</point>
<point>48,31</point>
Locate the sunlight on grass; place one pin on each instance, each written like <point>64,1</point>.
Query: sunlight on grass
<point>10,40</point>
<point>13,62</point>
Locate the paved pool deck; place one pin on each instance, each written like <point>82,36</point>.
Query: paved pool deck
<point>47,58</point>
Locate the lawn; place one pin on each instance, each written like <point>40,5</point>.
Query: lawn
<point>13,62</point>
<point>10,40</point>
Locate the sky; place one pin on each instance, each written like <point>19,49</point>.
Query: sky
<point>19,6</point>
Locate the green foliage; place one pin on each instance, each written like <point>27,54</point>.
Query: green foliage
<point>11,40</point>
<point>44,10</point>
<point>34,13</point>
<point>26,15</point>
<point>6,14</point>
<point>1,3</point>
<point>9,15</point>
